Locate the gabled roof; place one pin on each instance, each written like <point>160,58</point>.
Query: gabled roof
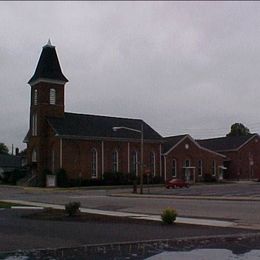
<point>48,66</point>
<point>7,160</point>
<point>171,141</point>
<point>87,126</point>
<point>227,143</point>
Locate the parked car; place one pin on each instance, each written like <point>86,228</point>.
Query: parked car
<point>174,183</point>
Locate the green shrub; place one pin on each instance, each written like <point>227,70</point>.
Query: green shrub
<point>169,216</point>
<point>72,208</point>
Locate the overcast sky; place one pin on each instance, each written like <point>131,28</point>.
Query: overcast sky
<point>183,67</point>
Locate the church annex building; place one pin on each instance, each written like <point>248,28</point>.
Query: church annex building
<point>87,146</point>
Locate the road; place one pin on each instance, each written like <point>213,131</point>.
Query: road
<point>242,212</point>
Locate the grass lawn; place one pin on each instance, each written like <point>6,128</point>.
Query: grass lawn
<point>8,205</point>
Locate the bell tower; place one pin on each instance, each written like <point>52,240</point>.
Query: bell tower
<point>47,100</point>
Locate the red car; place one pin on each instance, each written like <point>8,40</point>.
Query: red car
<point>174,183</point>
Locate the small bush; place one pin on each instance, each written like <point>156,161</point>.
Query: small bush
<point>169,216</point>
<point>72,208</point>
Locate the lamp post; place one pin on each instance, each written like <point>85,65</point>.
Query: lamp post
<point>142,150</point>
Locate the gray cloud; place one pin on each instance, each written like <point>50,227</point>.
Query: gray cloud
<point>184,67</point>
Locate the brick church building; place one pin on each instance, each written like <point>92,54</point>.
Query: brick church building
<point>86,146</point>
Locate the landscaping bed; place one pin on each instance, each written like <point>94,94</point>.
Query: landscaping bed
<point>61,215</point>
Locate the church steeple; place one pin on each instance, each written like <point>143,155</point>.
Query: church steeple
<point>48,68</point>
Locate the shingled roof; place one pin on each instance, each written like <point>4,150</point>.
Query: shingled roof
<point>7,160</point>
<point>48,66</point>
<point>171,141</point>
<point>225,143</point>
<point>85,125</point>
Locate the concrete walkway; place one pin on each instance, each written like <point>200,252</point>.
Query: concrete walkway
<point>193,221</point>
<point>193,197</point>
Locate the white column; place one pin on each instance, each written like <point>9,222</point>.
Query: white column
<point>60,152</point>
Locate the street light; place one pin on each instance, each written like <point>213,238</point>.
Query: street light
<point>142,149</point>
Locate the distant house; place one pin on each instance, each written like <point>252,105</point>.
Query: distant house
<point>9,163</point>
<point>242,155</point>
<point>184,158</point>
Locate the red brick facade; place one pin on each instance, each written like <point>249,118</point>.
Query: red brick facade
<point>244,163</point>
<point>183,160</point>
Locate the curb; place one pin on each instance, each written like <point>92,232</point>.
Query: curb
<point>145,247</point>
<point>129,195</point>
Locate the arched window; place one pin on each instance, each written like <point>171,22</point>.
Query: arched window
<point>34,155</point>
<point>35,98</point>
<point>214,169</point>
<point>115,161</point>
<point>52,96</point>
<point>174,168</point>
<point>187,163</point>
<point>53,161</point>
<point>34,124</point>
<point>152,163</point>
<point>134,163</point>
<point>94,163</point>
<point>199,167</point>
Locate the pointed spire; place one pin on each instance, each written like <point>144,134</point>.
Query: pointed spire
<point>49,44</point>
<point>48,66</point>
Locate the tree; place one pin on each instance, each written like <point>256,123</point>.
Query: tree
<point>3,149</point>
<point>238,129</point>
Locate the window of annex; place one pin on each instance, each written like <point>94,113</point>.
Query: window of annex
<point>174,168</point>
<point>52,96</point>
<point>152,163</point>
<point>94,163</point>
<point>115,161</point>
<point>200,167</point>
<point>214,168</point>
<point>134,163</point>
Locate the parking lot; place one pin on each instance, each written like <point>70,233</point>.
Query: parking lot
<point>242,189</point>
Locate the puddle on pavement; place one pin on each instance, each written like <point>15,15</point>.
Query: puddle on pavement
<point>207,254</point>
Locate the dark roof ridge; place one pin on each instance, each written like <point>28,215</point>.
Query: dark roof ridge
<point>104,116</point>
<point>175,136</point>
<point>225,137</point>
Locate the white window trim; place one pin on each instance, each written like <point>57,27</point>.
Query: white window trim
<point>52,96</point>
<point>35,97</point>
<point>116,161</point>
<point>153,163</point>
<point>34,124</point>
<point>136,161</point>
<point>34,155</point>
<point>53,160</point>
<point>175,167</point>
<point>201,168</point>
<point>96,164</point>
<point>214,167</point>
